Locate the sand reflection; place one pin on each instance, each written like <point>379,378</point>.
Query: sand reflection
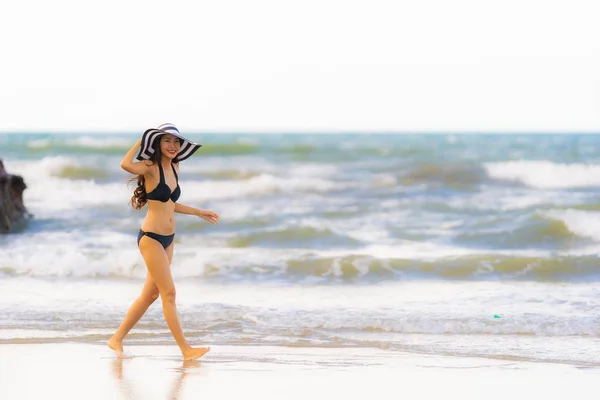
<point>129,387</point>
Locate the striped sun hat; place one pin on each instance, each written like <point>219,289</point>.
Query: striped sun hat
<point>187,148</point>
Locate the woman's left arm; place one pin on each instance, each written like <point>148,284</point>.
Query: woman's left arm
<point>210,216</point>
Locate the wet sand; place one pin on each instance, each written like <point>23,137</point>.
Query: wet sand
<point>86,371</point>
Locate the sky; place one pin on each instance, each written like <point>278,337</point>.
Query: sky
<point>310,65</point>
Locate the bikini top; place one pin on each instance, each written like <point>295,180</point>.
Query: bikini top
<point>162,191</point>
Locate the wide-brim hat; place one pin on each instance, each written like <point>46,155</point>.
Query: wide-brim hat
<point>151,135</point>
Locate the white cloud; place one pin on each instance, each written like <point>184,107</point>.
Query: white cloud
<point>310,65</point>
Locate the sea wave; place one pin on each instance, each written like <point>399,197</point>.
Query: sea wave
<point>57,183</point>
<point>292,237</point>
<point>231,174</point>
<point>68,142</point>
<point>260,185</point>
<point>229,149</point>
<point>536,231</point>
<point>233,264</point>
<point>580,222</point>
<point>68,167</point>
<point>545,174</point>
<point>62,182</point>
<point>313,327</point>
<point>452,175</point>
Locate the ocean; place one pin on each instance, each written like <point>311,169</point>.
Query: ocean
<point>473,245</point>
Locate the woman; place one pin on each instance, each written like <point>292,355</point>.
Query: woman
<point>161,150</point>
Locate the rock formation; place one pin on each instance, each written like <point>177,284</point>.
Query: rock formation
<point>13,213</point>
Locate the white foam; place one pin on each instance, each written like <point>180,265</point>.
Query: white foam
<point>220,163</point>
<point>82,141</point>
<point>580,222</point>
<point>43,168</point>
<point>545,174</point>
<point>511,199</point>
<point>103,252</point>
<point>313,170</point>
<point>592,250</point>
<point>39,143</point>
<point>361,311</point>
<point>51,195</point>
<point>74,253</point>
<point>416,251</point>
<point>261,185</point>
<point>89,141</point>
<point>46,193</point>
<point>383,180</point>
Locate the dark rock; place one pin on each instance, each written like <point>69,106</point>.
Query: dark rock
<point>13,213</point>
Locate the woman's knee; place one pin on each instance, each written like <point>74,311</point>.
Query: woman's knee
<point>168,295</point>
<point>154,295</point>
<point>151,297</point>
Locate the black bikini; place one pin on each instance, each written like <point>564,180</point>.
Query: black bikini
<point>162,239</point>
<point>162,192</point>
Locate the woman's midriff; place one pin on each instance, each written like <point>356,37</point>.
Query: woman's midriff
<point>160,218</point>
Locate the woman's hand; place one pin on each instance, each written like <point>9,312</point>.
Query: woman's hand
<point>209,216</point>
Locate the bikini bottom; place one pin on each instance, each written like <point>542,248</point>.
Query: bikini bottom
<point>165,241</point>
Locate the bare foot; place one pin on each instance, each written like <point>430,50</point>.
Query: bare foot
<point>117,346</point>
<point>195,352</point>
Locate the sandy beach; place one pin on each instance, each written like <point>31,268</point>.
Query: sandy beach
<point>84,371</point>
<point>344,266</point>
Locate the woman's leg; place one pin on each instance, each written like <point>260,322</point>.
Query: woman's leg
<point>136,310</point>
<point>158,264</point>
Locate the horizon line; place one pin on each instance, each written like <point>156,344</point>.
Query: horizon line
<point>312,132</point>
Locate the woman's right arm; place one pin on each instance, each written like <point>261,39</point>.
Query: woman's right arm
<point>138,167</point>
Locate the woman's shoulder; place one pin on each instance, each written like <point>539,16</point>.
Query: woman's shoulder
<point>152,167</point>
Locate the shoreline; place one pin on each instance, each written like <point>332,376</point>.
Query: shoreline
<point>327,348</point>
<point>78,370</point>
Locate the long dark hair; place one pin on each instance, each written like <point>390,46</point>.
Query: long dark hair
<point>139,200</point>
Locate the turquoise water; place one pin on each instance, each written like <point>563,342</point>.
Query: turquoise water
<point>425,237</point>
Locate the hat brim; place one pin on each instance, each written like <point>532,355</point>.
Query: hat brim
<point>151,135</point>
